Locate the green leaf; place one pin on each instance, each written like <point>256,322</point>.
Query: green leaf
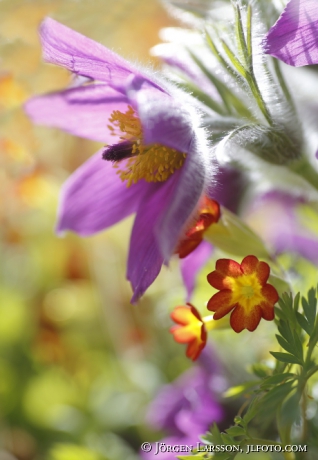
<point>235,62</point>
<point>236,431</point>
<point>280,313</point>
<point>216,434</point>
<point>240,389</point>
<point>252,411</point>
<point>312,299</point>
<point>249,34</point>
<point>310,307</point>
<point>285,331</point>
<point>296,301</point>
<point>202,96</point>
<point>288,300</point>
<point>275,396</point>
<point>240,38</point>
<point>286,357</point>
<point>291,347</point>
<point>227,440</point>
<point>230,100</point>
<point>308,313</point>
<point>303,322</point>
<point>277,378</point>
<point>236,76</point>
<point>260,370</point>
<point>290,409</point>
<point>298,346</point>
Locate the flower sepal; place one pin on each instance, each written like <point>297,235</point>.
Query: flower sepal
<point>233,236</point>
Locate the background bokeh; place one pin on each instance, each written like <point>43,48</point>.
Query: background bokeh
<point>78,364</point>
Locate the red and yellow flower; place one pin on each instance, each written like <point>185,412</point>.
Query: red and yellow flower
<point>243,289</point>
<point>208,214</point>
<point>190,329</point>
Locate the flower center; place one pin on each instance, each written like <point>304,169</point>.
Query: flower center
<point>153,163</point>
<point>246,290</point>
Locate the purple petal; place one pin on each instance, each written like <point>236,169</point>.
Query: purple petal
<point>190,183</point>
<point>83,111</point>
<point>177,57</point>
<point>228,188</point>
<point>192,264</point>
<point>294,39</point>
<point>164,119</point>
<point>81,55</point>
<point>168,122</point>
<point>94,198</point>
<point>145,259</point>
<point>276,216</point>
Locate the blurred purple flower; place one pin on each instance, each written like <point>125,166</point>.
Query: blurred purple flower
<point>276,219</point>
<point>294,38</point>
<point>186,408</point>
<point>96,196</point>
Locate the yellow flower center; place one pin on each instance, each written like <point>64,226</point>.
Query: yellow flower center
<point>194,327</point>
<point>153,163</point>
<point>246,290</point>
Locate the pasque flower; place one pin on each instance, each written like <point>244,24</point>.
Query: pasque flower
<point>157,163</point>
<point>293,39</point>
<point>243,289</point>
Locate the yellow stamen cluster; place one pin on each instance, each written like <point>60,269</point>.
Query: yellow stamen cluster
<point>246,290</point>
<point>153,163</point>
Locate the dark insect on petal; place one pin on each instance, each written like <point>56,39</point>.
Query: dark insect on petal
<point>118,152</point>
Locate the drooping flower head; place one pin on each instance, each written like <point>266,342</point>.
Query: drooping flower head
<point>190,329</point>
<point>157,163</point>
<point>243,289</point>
<point>208,214</point>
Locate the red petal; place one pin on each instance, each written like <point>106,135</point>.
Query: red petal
<point>268,312</point>
<point>188,245</point>
<point>270,294</point>
<point>194,348</point>
<point>249,264</point>
<point>195,312</point>
<point>228,267</point>
<point>241,319</point>
<point>182,315</point>
<point>219,281</point>
<point>182,334</point>
<point>221,302</point>
<point>263,272</point>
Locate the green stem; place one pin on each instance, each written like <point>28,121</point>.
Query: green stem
<point>251,80</point>
<point>312,371</point>
<point>305,422</point>
<point>282,83</point>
